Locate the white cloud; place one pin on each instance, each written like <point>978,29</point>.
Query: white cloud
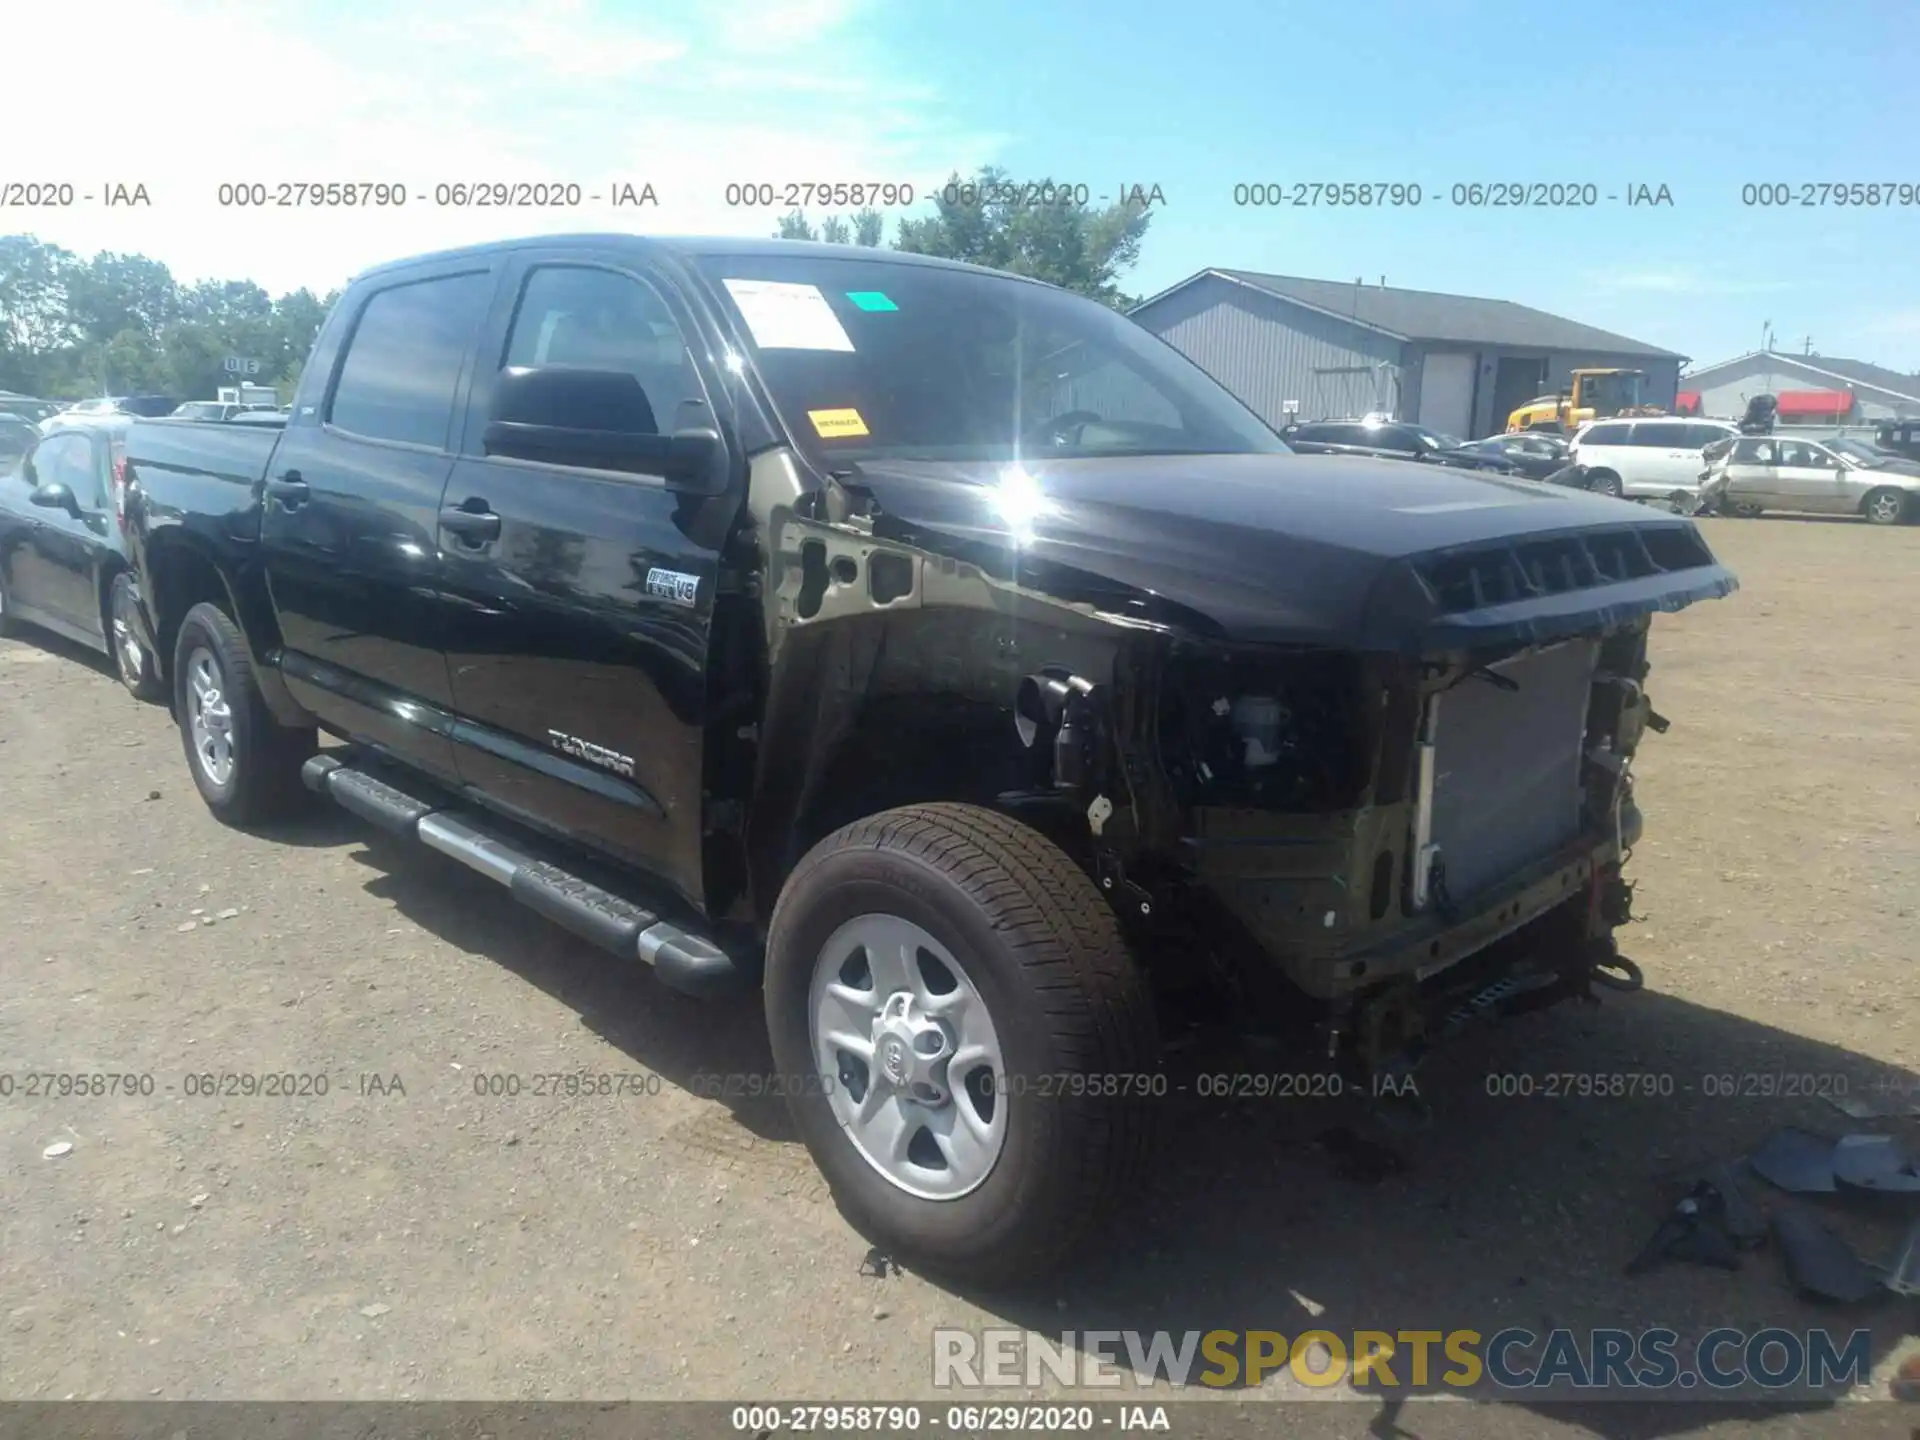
<point>490,90</point>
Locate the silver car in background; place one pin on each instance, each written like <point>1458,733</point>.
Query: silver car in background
<point>1752,474</point>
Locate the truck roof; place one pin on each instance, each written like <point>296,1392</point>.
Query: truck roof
<point>688,247</point>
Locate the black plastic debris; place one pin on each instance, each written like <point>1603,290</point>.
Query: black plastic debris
<point>1876,1163</point>
<point>1695,1230</point>
<point>1796,1161</point>
<point>1819,1262</point>
<point>1742,1218</point>
<point>1363,1161</point>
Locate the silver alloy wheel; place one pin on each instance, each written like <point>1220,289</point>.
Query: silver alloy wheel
<point>126,647</point>
<point>209,717</point>
<point>903,1042</point>
<point>1888,506</point>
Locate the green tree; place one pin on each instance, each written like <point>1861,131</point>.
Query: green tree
<point>1077,247</point>
<point>34,326</point>
<point>111,295</point>
<point>1083,248</point>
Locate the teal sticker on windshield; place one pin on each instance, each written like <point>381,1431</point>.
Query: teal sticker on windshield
<point>871,300</point>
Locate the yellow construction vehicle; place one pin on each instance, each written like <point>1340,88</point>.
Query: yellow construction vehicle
<point>1591,395</point>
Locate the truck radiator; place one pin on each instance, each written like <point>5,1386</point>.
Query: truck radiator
<point>1507,766</point>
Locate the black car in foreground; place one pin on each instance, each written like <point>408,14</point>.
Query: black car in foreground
<point>939,652</point>
<point>1393,440</point>
<point>63,562</point>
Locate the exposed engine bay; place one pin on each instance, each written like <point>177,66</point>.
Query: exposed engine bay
<point>1372,827</point>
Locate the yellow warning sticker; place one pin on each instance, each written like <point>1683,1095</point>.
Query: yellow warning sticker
<point>832,424</point>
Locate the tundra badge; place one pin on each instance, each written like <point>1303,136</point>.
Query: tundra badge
<point>672,585</point>
<point>593,754</point>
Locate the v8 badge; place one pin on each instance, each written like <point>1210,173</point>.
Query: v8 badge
<point>681,589</point>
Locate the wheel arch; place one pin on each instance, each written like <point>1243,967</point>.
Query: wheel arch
<point>876,712</point>
<point>181,572</point>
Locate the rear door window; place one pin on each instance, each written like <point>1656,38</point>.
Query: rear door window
<point>1660,435</point>
<point>401,372</point>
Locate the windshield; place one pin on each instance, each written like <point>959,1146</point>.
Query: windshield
<point>871,359</point>
<point>1436,439</point>
<point>1611,393</point>
<point>1858,453</point>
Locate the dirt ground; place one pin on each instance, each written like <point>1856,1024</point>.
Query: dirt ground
<point>406,1235</point>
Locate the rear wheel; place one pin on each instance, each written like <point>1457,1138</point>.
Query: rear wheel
<point>969,1052</point>
<point>130,658</point>
<point>245,764</point>
<point>1885,506</point>
<point>1605,482</point>
<point>8,626</point>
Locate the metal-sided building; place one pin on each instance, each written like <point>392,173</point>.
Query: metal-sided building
<point>1320,349</point>
<point>1811,389</point>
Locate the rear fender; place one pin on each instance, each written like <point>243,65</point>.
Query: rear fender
<point>177,572</point>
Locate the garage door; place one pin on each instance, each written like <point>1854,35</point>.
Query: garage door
<point>1446,393</point>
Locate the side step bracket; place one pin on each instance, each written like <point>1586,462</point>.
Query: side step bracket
<point>683,960</point>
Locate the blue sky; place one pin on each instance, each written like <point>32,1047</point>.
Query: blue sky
<point>1194,98</point>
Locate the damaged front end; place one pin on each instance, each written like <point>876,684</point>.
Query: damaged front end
<point>1405,808</point>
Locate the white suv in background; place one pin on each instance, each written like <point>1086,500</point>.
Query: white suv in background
<point>1646,459</point>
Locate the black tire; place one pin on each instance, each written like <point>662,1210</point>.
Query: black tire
<point>8,625</point>
<point>132,662</point>
<point>1045,952</point>
<point>1605,482</point>
<point>1886,506</point>
<point>262,779</point>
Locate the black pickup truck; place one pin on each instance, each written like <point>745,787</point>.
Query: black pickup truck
<point>939,652</point>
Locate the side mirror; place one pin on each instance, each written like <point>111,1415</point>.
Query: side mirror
<point>55,496</point>
<point>600,419</point>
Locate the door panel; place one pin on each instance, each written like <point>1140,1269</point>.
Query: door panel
<point>1810,480</point>
<point>1750,484</point>
<point>60,550</point>
<point>350,523</point>
<point>579,641</point>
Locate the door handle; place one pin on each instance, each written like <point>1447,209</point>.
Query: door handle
<point>290,490</point>
<point>472,522</point>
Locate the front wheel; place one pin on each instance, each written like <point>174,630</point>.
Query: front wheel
<point>1885,506</point>
<point>1605,483</point>
<point>130,658</point>
<point>245,764</point>
<point>968,1049</point>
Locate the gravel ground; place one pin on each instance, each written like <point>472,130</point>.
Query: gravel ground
<point>405,1234</point>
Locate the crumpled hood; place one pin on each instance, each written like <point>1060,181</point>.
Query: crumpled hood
<point>1318,549</point>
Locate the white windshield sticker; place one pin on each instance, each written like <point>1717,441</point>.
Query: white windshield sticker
<point>785,316</point>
